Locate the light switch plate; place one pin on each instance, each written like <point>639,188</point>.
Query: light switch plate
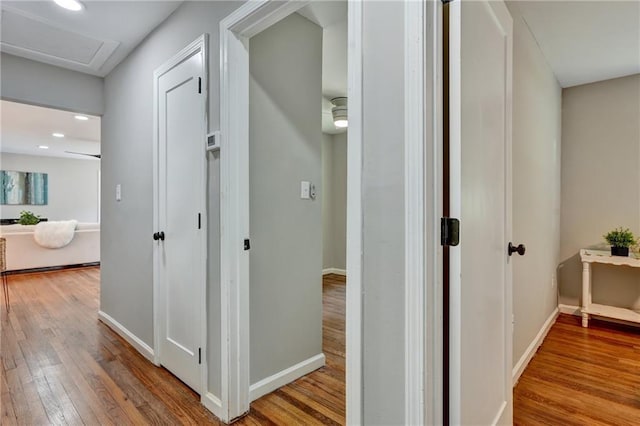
<point>305,190</point>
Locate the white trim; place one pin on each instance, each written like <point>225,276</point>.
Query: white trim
<point>132,339</point>
<point>334,271</point>
<point>199,45</point>
<point>528,354</point>
<point>414,210</point>
<point>570,309</point>
<point>212,403</point>
<point>235,31</point>
<point>354,291</point>
<point>285,376</point>
<point>433,173</point>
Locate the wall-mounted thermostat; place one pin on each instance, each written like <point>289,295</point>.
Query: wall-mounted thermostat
<point>213,141</point>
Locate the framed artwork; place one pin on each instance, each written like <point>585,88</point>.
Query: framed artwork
<point>23,188</point>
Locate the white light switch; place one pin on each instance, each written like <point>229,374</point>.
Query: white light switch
<point>305,190</point>
<point>118,192</point>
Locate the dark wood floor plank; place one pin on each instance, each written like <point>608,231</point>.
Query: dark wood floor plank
<point>60,365</point>
<point>582,376</point>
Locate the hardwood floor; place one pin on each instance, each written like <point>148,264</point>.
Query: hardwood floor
<point>60,365</point>
<point>582,376</point>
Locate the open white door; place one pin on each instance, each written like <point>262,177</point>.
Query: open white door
<point>179,251</point>
<point>480,179</point>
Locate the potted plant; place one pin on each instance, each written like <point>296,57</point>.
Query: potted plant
<point>620,239</point>
<point>28,218</point>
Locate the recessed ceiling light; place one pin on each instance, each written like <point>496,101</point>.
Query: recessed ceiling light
<point>43,147</point>
<point>73,5</point>
<point>81,117</point>
<point>57,135</point>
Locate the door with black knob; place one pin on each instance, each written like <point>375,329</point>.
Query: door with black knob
<point>179,247</point>
<point>480,327</point>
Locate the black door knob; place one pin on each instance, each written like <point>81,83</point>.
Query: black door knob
<point>158,236</point>
<point>161,235</point>
<point>520,249</point>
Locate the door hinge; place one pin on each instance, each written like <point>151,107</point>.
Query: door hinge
<point>199,84</point>
<point>449,231</point>
<point>199,355</point>
<point>247,244</point>
<point>199,221</point>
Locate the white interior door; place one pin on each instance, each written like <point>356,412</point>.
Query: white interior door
<point>480,143</point>
<point>181,115</point>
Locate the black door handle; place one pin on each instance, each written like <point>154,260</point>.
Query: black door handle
<point>158,236</point>
<point>521,249</point>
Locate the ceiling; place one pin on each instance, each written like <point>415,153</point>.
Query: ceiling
<point>25,127</point>
<point>91,41</point>
<point>332,17</point>
<point>585,41</point>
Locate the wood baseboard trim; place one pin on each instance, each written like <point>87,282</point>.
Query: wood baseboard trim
<point>533,347</point>
<point>286,376</point>
<point>212,403</point>
<point>336,271</point>
<point>570,309</point>
<point>131,338</point>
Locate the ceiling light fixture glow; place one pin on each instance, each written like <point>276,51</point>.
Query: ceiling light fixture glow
<point>57,135</point>
<point>81,117</point>
<point>339,112</point>
<point>43,147</point>
<point>73,5</point>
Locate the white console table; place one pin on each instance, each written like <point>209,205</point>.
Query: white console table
<point>588,257</point>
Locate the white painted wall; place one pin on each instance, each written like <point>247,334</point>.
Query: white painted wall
<point>127,138</point>
<point>334,201</point>
<point>36,83</point>
<point>536,186</point>
<point>600,184</point>
<point>73,187</point>
<point>285,140</point>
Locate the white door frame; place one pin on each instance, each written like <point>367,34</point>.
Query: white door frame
<point>423,176</point>
<point>423,209</point>
<point>200,45</point>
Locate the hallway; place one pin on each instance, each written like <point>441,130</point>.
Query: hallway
<point>60,365</point>
<point>582,376</point>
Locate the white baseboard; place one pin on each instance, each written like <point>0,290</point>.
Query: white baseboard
<point>284,377</point>
<point>213,404</point>
<point>533,347</point>
<point>131,338</point>
<point>570,309</point>
<point>334,271</point>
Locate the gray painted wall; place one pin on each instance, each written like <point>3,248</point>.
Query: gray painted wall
<point>334,201</point>
<point>127,138</point>
<point>383,213</point>
<point>537,99</point>
<point>600,184</point>
<point>30,82</point>
<point>326,197</point>
<point>286,232</point>
<point>73,186</point>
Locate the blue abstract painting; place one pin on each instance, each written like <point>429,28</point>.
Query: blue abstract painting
<point>23,188</point>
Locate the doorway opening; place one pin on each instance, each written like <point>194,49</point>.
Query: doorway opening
<point>297,205</point>
<point>50,184</point>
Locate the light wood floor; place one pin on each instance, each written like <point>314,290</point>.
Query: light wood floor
<point>60,365</point>
<point>582,376</point>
